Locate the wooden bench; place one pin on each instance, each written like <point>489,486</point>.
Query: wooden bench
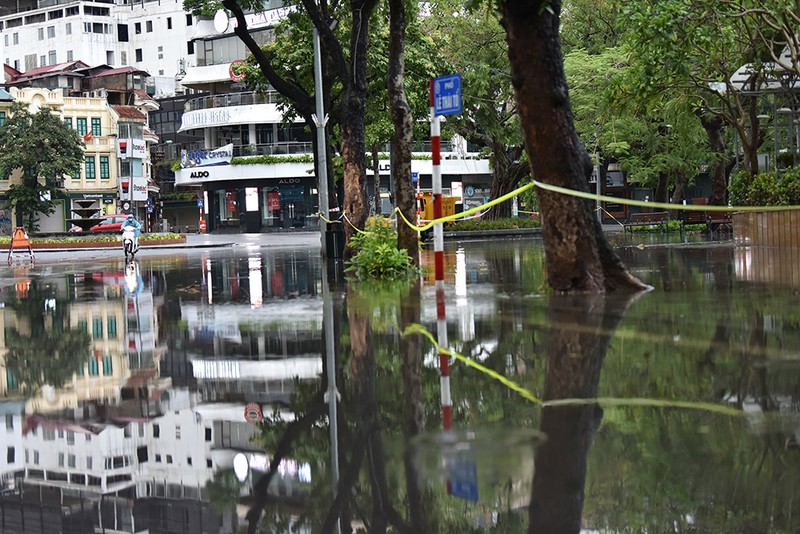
<point>719,221</point>
<point>693,218</point>
<point>660,218</point>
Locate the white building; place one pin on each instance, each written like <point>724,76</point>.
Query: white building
<point>155,36</point>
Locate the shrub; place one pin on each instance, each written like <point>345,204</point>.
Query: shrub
<point>377,255</point>
<point>490,224</point>
<point>766,189</point>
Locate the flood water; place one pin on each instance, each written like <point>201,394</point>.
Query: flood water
<point>196,390</point>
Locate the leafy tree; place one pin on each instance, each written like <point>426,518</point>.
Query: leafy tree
<point>42,150</point>
<point>697,48</point>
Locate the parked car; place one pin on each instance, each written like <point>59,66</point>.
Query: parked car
<point>110,223</point>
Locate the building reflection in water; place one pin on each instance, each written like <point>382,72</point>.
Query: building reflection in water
<point>141,434</point>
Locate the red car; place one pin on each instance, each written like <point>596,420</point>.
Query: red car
<point>110,223</point>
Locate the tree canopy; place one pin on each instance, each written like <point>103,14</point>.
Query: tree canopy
<point>41,149</point>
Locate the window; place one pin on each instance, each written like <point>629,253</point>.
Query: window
<point>160,52</point>
<point>177,432</point>
<point>42,61</point>
<point>68,28</point>
<point>188,460</point>
<point>82,326</point>
<point>149,26</point>
<point>88,462</point>
<point>190,47</point>
<point>158,458</point>
<point>137,28</point>
<point>188,19</point>
<point>16,39</point>
<point>11,381</point>
<point>48,434</point>
<point>169,458</point>
<point>156,431</point>
<point>209,463</point>
<point>6,42</point>
<point>208,434</point>
<point>9,421</point>
<point>94,369</point>
<point>138,52</point>
<point>2,117</point>
<point>71,461</point>
<point>35,457</point>
<point>51,57</point>
<point>10,455</point>
<point>70,437</point>
<point>68,121</point>
<point>81,122</point>
<point>169,23</point>
<point>41,34</point>
<point>108,365</point>
<point>60,459</point>
<point>70,55</point>
<point>123,57</point>
<point>96,129</point>
<point>90,170</point>
<point>97,322</point>
<point>51,32</point>
<point>105,174</point>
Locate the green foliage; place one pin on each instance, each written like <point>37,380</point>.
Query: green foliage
<point>377,255</point>
<point>766,189</point>
<point>42,149</point>
<point>512,223</point>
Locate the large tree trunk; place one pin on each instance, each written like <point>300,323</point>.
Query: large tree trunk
<point>353,144</point>
<point>662,188</point>
<point>403,121</point>
<point>578,256</point>
<point>508,171</point>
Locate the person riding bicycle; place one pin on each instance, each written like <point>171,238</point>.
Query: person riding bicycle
<point>137,229</point>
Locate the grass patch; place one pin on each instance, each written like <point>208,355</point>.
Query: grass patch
<point>512,223</point>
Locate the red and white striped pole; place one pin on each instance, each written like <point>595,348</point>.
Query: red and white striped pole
<point>438,252</point>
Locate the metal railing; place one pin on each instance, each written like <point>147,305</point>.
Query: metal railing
<point>231,99</point>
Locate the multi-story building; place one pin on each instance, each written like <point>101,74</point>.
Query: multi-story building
<point>150,35</point>
<point>108,109</point>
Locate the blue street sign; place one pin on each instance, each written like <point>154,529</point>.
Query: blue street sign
<point>199,202</point>
<point>414,177</point>
<point>447,95</point>
<point>463,478</point>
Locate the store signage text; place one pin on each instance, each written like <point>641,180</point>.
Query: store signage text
<point>206,158</point>
<point>199,174</point>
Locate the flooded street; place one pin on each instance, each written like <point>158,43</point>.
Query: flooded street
<point>194,390</point>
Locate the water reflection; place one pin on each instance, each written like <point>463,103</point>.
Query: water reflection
<point>132,397</point>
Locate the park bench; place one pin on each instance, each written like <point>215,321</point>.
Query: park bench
<point>719,221</point>
<point>660,218</point>
<point>694,217</point>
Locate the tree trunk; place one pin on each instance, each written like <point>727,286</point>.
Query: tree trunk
<point>508,171</point>
<point>403,131</point>
<point>376,179</point>
<point>719,184</point>
<point>662,188</point>
<point>680,185</point>
<point>353,144</point>
<point>578,256</point>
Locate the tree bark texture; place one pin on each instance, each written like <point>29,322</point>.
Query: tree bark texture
<point>719,184</point>
<point>353,143</point>
<point>403,122</point>
<point>578,256</point>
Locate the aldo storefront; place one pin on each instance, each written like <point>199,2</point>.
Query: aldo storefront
<point>250,198</point>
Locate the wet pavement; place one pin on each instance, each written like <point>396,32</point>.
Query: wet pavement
<point>194,391</point>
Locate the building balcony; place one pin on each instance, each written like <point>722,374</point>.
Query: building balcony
<point>249,98</point>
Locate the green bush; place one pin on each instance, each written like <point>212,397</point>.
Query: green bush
<point>766,189</point>
<point>377,256</point>
<point>510,223</point>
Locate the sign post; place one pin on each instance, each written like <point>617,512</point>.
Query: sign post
<point>445,99</point>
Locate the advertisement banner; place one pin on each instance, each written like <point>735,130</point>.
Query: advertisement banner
<point>204,158</point>
<point>131,148</point>
<point>139,189</point>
